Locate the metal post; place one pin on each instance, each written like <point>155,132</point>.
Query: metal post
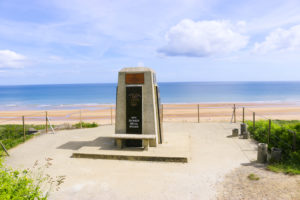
<point>111,118</point>
<point>24,131</point>
<point>46,122</point>
<point>253,120</point>
<point>80,119</point>
<point>3,147</point>
<point>243,114</point>
<point>198,114</point>
<point>269,132</point>
<point>234,114</point>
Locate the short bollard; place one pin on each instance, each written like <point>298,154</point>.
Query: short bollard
<point>243,128</point>
<point>275,154</point>
<point>262,153</point>
<point>246,135</point>
<point>235,132</point>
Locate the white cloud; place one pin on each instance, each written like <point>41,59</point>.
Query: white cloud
<point>280,40</point>
<point>204,38</point>
<point>11,59</point>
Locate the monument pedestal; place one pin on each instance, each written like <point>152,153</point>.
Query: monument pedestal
<point>138,107</point>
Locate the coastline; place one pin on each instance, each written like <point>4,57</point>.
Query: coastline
<point>187,112</point>
<point>43,107</point>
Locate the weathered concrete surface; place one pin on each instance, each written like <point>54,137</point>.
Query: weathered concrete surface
<point>174,149</point>
<point>149,105</point>
<point>212,155</point>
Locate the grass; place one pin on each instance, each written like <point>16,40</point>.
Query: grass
<point>86,125</point>
<point>253,177</point>
<point>285,134</point>
<point>291,169</point>
<point>12,134</point>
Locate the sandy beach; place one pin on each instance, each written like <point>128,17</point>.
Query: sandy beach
<point>208,112</point>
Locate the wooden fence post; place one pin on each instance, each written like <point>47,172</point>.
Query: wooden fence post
<point>234,114</point>
<point>269,132</point>
<point>80,119</point>
<point>24,131</point>
<point>243,114</point>
<point>111,118</point>
<point>253,120</point>
<point>46,122</point>
<point>198,114</point>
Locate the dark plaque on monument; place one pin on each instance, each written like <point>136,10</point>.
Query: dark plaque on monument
<point>134,114</point>
<point>134,78</point>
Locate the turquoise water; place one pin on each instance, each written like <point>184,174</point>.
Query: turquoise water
<point>70,95</point>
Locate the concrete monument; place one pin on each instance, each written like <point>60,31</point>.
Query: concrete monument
<point>138,113</point>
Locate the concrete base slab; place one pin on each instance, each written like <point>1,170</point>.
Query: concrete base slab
<point>115,156</point>
<point>174,149</point>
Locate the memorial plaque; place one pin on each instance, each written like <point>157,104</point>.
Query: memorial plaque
<point>134,114</point>
<point>134,78</point>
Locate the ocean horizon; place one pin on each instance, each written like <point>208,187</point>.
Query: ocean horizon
<point>70,96</point>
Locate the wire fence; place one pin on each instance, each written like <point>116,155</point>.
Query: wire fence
<point>18,126</point>
<point>170,113</point>
<point>53,120</point>
<point>196,112</point>
<point>105,115</point>
<point>280,136</point>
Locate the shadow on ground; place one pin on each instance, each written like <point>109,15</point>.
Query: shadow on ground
<point>102,142</point>
<point>255,164</point>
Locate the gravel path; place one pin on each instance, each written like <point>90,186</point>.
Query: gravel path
<point>270,186</point>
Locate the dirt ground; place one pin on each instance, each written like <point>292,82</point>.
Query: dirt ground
<point>276,186</point>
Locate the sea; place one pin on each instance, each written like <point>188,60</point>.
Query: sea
<point>70,96</point>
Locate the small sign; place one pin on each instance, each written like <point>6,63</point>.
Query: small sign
<point>134,78</point>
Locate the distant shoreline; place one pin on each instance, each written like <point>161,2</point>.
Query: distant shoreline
<point>43,107</point>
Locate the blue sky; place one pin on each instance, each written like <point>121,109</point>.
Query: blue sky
<point>76,41</point>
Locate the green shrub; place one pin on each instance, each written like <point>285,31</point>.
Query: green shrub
<point>18,185</point>
<point>28,184</point>
<point>87,125</point>
<point>281,136</point>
